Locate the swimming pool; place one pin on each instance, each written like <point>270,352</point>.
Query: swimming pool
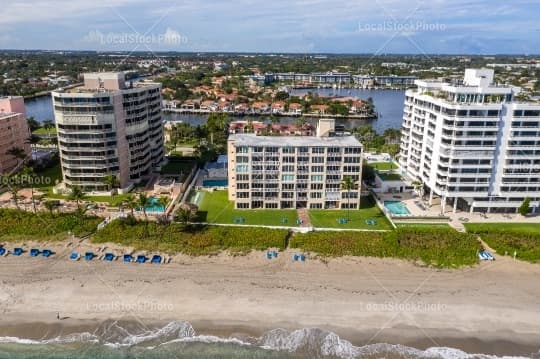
<point>154,207</point>
<point>396,207</point>
<point>215,183</point>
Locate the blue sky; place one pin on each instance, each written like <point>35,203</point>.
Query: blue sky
<point>302,26</point>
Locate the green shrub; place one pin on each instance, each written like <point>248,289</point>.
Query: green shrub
<point>510,237</point>
<point>199,240</point>
<point>17,225</point>
<point>439,247</point>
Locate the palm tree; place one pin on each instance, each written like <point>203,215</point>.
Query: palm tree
<point>184,215</point>
<point>348,184</point>
<point>14,186</point>
<point>50,206</point>
<point>77,195</point>
<point>48,125</point>
<point>29,176</point>
<point>111,181</point>
<point>131,203</point>
<point>17,153</point>
<point>163,202</point>
<point>143,201</point>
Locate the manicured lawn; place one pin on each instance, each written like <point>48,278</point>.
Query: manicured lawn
<point>48,177</point>
<point>43,131</point>
<point>215,207</point>
<point>368,210</point>
<point>383,166</point>
<point>177,167</point>
<point>523,238</point>
<point>112,201</point>
<point>437,247</point>
<point>389,176</point>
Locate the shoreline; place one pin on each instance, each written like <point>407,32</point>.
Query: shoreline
<point>503,343</point>
<point>491,308</point>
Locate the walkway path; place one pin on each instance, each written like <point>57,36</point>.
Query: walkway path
<point>304,217</point>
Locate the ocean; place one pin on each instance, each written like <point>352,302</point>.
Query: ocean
<point>178,339</point>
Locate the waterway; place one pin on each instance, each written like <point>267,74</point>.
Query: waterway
<point>388,103</point>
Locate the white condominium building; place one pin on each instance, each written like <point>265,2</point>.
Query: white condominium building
<point>472,144</point>
<point>107,127</point>
<point>294,171</point>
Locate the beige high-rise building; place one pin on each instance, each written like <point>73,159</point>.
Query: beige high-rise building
<point>294,171</point>
<point>109,127</point>
<point>14,131</point>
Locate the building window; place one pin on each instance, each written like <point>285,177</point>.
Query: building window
<point>317,178</point>
<point>242,168</point>
<point>287,178</point>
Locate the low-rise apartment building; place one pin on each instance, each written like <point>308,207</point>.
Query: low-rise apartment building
<point>472,144</point>
<point>294,172</point>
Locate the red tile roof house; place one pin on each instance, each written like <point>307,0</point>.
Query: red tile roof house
<point>259,107</point>
<point>224,106</point>
<point>278,107</point>
<point>208,105</point>
<point>190,105</point>
<point>242,126</point>
<point>319,109</point>
<point>359,106</point>
<point>241,108</point>
<point>295,108</point>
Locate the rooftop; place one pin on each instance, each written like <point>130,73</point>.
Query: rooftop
<point>254,140</point>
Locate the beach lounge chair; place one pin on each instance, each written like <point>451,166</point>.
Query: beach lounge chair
<point>74,256</point>
<point>141,259</point>
<point>268,255</point>
<point>47,253</point>
<point>34,252</point>
<point>3,251</point>
<point>89,256</point>
<point>156,259</point>
<point>17,251</point>
<point>274,254</point>
<point>128,258</point>
<point>295,257</point>
<point>302,257</point>
<point>108,257</point>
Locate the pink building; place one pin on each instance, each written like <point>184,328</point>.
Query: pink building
<point>14,131</point>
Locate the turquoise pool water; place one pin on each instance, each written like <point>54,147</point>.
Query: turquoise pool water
<point>154,207</point>
<point>215,183</point>
<point>396,207</point>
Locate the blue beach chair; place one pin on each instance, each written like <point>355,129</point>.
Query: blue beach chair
<point>128,258</point>
<point>2,251</point>
<point>295,257</point>
<point>89,256</point>
<point>34,252</point>
<point>268,255</point>
<point>46,253</point>
<point>74,256</point>
<point>302,257</point>
<point>141,259</point>
<point>109,257</point>
<point>156,259</point>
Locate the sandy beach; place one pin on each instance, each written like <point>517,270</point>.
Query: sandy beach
<point>490,308</point>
